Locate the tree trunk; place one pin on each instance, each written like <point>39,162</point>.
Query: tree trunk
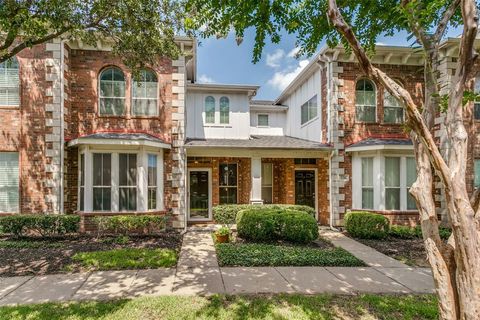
<point>455,265</point>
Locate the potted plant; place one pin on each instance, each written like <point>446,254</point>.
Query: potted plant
<point>222,235</point>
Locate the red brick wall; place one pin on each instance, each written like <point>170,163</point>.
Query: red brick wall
<point>411,77</point>
<point>22,129</point>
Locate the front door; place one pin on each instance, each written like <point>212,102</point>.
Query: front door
<point>199,192</point>
<point>305,187</point>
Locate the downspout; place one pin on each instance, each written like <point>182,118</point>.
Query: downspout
<point>62,125</point>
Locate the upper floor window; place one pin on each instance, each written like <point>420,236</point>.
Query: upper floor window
<point>392,109</point>
<point>224,110</point>
<point>262,120</point>
<point>365,101</point>
<point>9,83</point>
<point>309,110</point>
<point>112,92</point>
<point>145,94</point>
<point>476,106</point>
<point>209,109</point>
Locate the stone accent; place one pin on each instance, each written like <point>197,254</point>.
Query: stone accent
<point>178,176</point>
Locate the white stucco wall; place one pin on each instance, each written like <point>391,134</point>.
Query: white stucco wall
<point>312,129</point>
<point>238,128</point>
<point>276,123</point>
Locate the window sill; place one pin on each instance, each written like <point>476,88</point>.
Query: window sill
<point>217,126</point>
<point>264,127</point>
<point>309,122</point>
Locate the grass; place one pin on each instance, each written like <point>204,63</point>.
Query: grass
<point>277,307</point>
<point>28,244</point>
<point>127,258</point>
<point>255,255</point>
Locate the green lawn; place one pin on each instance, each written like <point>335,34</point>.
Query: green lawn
<point>277,307</point>
<point>255,254</point>
<point>127,258</point>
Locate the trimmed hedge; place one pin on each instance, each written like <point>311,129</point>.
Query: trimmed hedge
<point>366,225</point>
<point>128,224</point>
<point>276,224</point>
<point>227,213</point>
<point>43,224</point>
<point>404,232</point>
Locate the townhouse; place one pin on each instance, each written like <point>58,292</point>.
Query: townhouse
<point>78,134</point>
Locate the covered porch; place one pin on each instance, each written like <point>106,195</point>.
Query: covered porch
<point>262,170</point>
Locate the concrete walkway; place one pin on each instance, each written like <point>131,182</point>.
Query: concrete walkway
<point>197,272</point>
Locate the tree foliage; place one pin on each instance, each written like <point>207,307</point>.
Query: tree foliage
<point>140,30</point>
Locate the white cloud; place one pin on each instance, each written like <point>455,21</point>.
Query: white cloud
<point>293,53</point>
<point>273,60</point>
<point>282,79</point>
<point>205,79</point>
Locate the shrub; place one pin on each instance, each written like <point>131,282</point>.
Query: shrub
<point>43,224</point>
<point>226,213</point>
<point>276,224</point>
<point>403,232</point>
<point>366,225</point>
<point>128,224</point>
<point>256,255</point>
<point>443,231</point>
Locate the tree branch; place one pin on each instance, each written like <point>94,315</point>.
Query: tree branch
<point>442,25</point>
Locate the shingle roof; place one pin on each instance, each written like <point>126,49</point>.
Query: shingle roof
<point>122,136</point>
<point>257,141</point>
<point>370,142</point>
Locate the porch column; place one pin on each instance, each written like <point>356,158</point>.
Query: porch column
<point>256,169</point>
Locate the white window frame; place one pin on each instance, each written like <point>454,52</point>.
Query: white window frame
<point>227,99</point>
<point>100,96</point>
<point>143,84</point>
<point>155,186</point>
<point>397,106</point>
<point>263,185</point>
<point>379,180</point>
<point>16,207</point>
<point>258,120</point>
<point>205,110</point>
<point>142,177</point>
<point>306,104</point>
<point>228,186</point>
<point>12,83</point>
<point>121,186</point>
<point>375,91</point>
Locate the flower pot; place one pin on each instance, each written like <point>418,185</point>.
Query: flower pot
<point>222,238</point>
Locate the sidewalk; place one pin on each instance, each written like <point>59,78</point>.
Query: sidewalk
<point>197,272</point>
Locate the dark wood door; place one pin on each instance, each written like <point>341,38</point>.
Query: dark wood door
<point>305,187</point>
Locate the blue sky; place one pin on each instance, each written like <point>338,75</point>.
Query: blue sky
<point>223,61</point>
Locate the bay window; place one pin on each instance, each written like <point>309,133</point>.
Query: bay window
<point>392,183</point>
<point>120,181</point>
<point>367,183</point>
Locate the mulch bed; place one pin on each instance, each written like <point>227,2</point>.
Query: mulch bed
<point>409,251</point>
<point>36,256</point>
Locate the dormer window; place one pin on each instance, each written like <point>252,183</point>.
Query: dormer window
<point>209,109</point>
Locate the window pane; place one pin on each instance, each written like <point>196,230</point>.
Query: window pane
<point>228,174</point>
<point>101,199</point>
<point>477,111</point>
<point>209,109</point>
<point>82,169</point>
<point>411,171</point>
<point>228,195</point>
<point>152,198</point>
<point>365,101</point>
<point>367,172</point>
<point>304,113</point>
<point>367,198</point>
<point>477,173</point>
<point>393,115</point>
<point>263,120</point>
<point>152,170</point>
<point>267,195</point>
<point>392,198</point>
<point>267,179</point>
<point>411,204</point>
<point>102,169</point>
<point>128,199</point>
<point>309,110</point>
<point>9,83</point>
<point>9,182</point>
<point>127,169</point>
<point>224,110</point>
<point>392,172</point>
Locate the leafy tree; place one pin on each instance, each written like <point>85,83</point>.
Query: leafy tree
<point>357,24</point>
<point>140,30</point>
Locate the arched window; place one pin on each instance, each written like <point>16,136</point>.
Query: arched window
<point>224,110</point>
<point>209,109</point>
<point>112,92</point>
<point>365,101</point>
<point>145,94</point>
<point>392,109</point>
<point>9,83</point>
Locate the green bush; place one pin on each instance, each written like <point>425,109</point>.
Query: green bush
<point>366,225</point>
<point>42,224</point>
<point>128,224</point>
<point>257,254</point>
<point>403,232</point>
<point>276,224</point>
<point>226,213</point>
